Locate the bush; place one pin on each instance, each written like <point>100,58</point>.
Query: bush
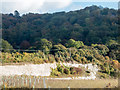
<point>102,49</point>
<point>76,57</point>
<point>83,60</point>
<point>51,59</point>
<point>57,48</point>
<point>60,68</point>
<point>103,75</point>
<point>73,43</point>
<point>55,73</point>
<point>57,59</point>
<point>37,60</point>
<point>6,46</point>
<point>76,70</point>
<point>66,71</point>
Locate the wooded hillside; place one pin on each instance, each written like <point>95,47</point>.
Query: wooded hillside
<point>91,25</point>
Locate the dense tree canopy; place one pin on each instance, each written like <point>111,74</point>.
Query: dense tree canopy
<point>90,25</point>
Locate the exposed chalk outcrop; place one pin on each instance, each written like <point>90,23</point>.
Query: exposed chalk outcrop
<point>44,70</point>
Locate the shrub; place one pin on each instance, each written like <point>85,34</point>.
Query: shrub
<point>58,47</point>
<point>102,49</point>
<point>103,75</point>
<point>51,59</point>
<point>90,58</point>
<point>60,68</point>
<point>5,45</point>
<point>83,60</point>
<point>55,73</point>
<point>46,61</point>
<point>72,71</point>
<point>81,52</point>
<point>73,43</point>
<point>57,59</point>
<point>107,58</point>
<point>37,60</point>
<point>76,70</point>
<point>66,71</point>
<point>76,57</point>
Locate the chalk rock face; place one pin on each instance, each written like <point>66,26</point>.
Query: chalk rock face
<point>44,70</point>
<point>30,69</point>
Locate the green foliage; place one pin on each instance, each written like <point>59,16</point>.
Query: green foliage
<point>73,43</point>
<point>51,58</point>
<point>60,68</point>
<point>90,25</point>
<point>6,46</point>
<point>77,57</point>
<point>70,43</point>
<point>94,45</point>
<point>110,42</point>
<point>57,48</point>
<point>103,75</point>
<point>37,60</point>
<point>96,54</point>
<point>44,45</point>
<point>55,72</point>
<point>102,49</point>
<point>115,52</point>
<point>65,70</point>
